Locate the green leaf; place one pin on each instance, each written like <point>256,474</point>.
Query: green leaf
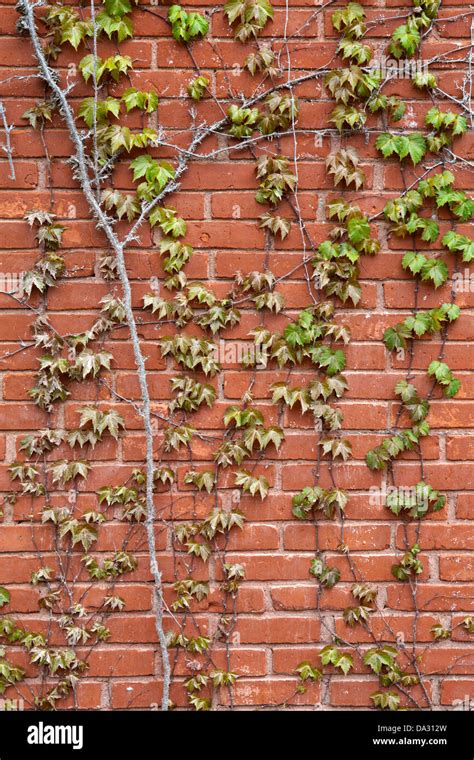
<point>414,261</point>
<point>456,242</point>
<point>111,25</point>
<point>386,700</point>
<point>144,100</point>
<point>386,144</point>
<point>441,371</point>
<point>358,229</point>
<point>424,79</point>
<point>330,655</point>
<point>376,659</point>
<point>186,27</point>
<point>397,108</point>
<point>452,388</point>
<point>407,37</point>
<point>416,147</point>
<point>413,145</point>
<point>464,209</point>
<point>197,87</point>
<point>420,323</point>
<point>440,632</point>
<point>74,34</point>
<point>444,376</point>
<point>450,311</point>
<point>344,663</point>
<point>251,484</point>
<point>327,576</point>
<point>99,110</point>
<point>306,672</point>
<point>4,596</point>
<point>435,270</point>
<point>117,7</point>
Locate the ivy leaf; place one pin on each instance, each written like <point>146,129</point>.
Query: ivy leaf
<point>337,447</point>
<point>306,672</point>
<point>358,229</point>
<point>376,659</point>
<point>186,26</point>
<point>205,479</point>
<point>334,361</point>
<point>414,261</point>
<point>464,209</point>
<point>430,230</point>
<point>4,596</point>
<point>446,120</point>
<point>444,376</point>
<point>441,371</point>
<point>111,25</point>
<point>450,311</point>
<point>100,110</point>
<point>273,435</point>
<point>413,145</point>
<point>424,79</point>
<point>330,655</point>
<point>416,147</point>
<point>170,223</point>
<point>456,242</point>
<point>408,38</point>
<point>343,115</point>
<point>344,663</point>
<point>435,270</point>
<point>89,363</point>
<point>253,16</point>
<point>386,144</point>
<point>276,224</point>
<point>468,624</point>
<point>251,484</point>
<point>115,65</point>
<point>201,550</point>
<point>386,700</point>
<point>359,53</point>
<point>64,471</point>
<point>327,576</point>
<point>420,323</point>
<point>144,100</point>
<point>354,615</point>
<point>440,632</point>
<point>374,462</point>
<point>117,7</point>
<point>74,34</point>
<point>397,108</point>
<point>364,592</point>
<point>197,87</point>
<point>452,388</point>
<point>100,421</point>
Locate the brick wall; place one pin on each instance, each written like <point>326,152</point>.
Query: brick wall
<point>278,623</point>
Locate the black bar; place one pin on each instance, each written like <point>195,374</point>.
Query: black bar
<point>138,734</point>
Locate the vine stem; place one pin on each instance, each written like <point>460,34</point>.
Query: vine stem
<point>7,147</point>
<point>118,248</point>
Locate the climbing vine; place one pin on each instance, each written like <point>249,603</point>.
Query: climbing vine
<point>54,465</point>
